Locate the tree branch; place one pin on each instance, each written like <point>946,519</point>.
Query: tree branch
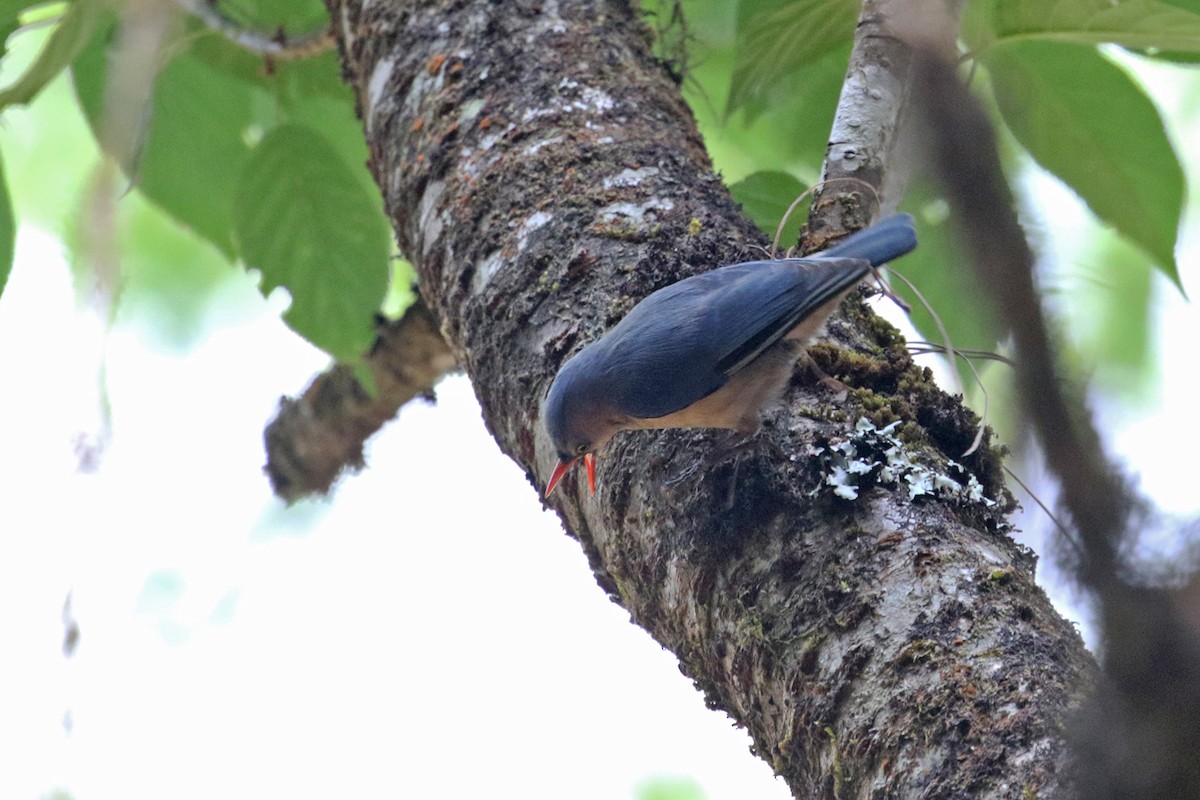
<point>313,439</point>
<point>863,174</point>
<point>543,174</point>
<point>276,45</point>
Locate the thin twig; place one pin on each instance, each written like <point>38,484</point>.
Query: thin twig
<point>937,320</point>
<point>275,45</point>
<point>1068,535</point>
<point>787,214</point>
<point>925,348</point>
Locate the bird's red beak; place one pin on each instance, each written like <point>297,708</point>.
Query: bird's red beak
<point>563,467</point>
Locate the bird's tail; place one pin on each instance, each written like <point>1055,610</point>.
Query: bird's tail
<point>884,241</point>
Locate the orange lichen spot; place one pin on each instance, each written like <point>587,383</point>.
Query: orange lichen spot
<point>418,124</point>
<point>435,63</point>
<point>485,123</point>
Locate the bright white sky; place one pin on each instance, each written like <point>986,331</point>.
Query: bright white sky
<point>397,642</point>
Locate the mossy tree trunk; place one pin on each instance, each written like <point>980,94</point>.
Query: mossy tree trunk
<point>543,173</point>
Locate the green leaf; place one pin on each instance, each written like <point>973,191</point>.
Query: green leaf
<point>72,33</point>
<point>365,376</point>
<point>305,220</point>
<point>319,74</point>
<point>788,134</point>
<point>210,103</point>
<point>10,20</point>
<point>777,37</point>
<point>1137,24</point>
<point>8,232</point>
<point>11,9</point>
<point>291,16</point>
<point>49,152</point>
<point>765,197</point>
<point>1085,120</point>
<point>401,293</point>
<point>193,147</point>
<point>317,98</point>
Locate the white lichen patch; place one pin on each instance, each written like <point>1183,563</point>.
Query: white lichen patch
<point>630,177</point>
<point>484,271</point>
<point>470,110</point>
<point>874,456</point>
<point>472,160</point>
<point>431,223</point>
<point>493,262</point>
<point>536,146</point>
<point>585,100</point>
<point>347,29</point>
<point>550,21</point>
<point>592,99</point>
<point>376,86</point>
<point>634,212</point>
<point>536,220</point>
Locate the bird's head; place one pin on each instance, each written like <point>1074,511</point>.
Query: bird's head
<point>578,420</point>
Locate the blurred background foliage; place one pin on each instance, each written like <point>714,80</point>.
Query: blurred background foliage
<point>228,158</point>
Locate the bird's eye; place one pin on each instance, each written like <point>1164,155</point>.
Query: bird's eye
<point>583,448</point>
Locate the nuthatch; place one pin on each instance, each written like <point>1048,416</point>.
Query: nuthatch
<point>709,351</point>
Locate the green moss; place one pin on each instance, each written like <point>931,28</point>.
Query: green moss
<point>848,366</point>
<point>838,768</point>
<point>812,642</point>
<point>1001,576</point>
<point>880,409</point>
<point>627,231</point>
<point>912,434</point>
<point>619,306</point>
<point>884,333</point>
<point>751,626</point>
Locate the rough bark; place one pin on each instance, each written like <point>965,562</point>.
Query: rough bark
<point>317,436</point>
<point>543,173</point>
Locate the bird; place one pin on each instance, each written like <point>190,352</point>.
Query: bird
<point>709,351</point>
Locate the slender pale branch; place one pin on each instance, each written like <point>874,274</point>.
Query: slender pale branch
<point>276,45</point>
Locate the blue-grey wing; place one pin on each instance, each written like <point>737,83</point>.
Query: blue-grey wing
<point>683,342</point>
<point>796,291</point>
